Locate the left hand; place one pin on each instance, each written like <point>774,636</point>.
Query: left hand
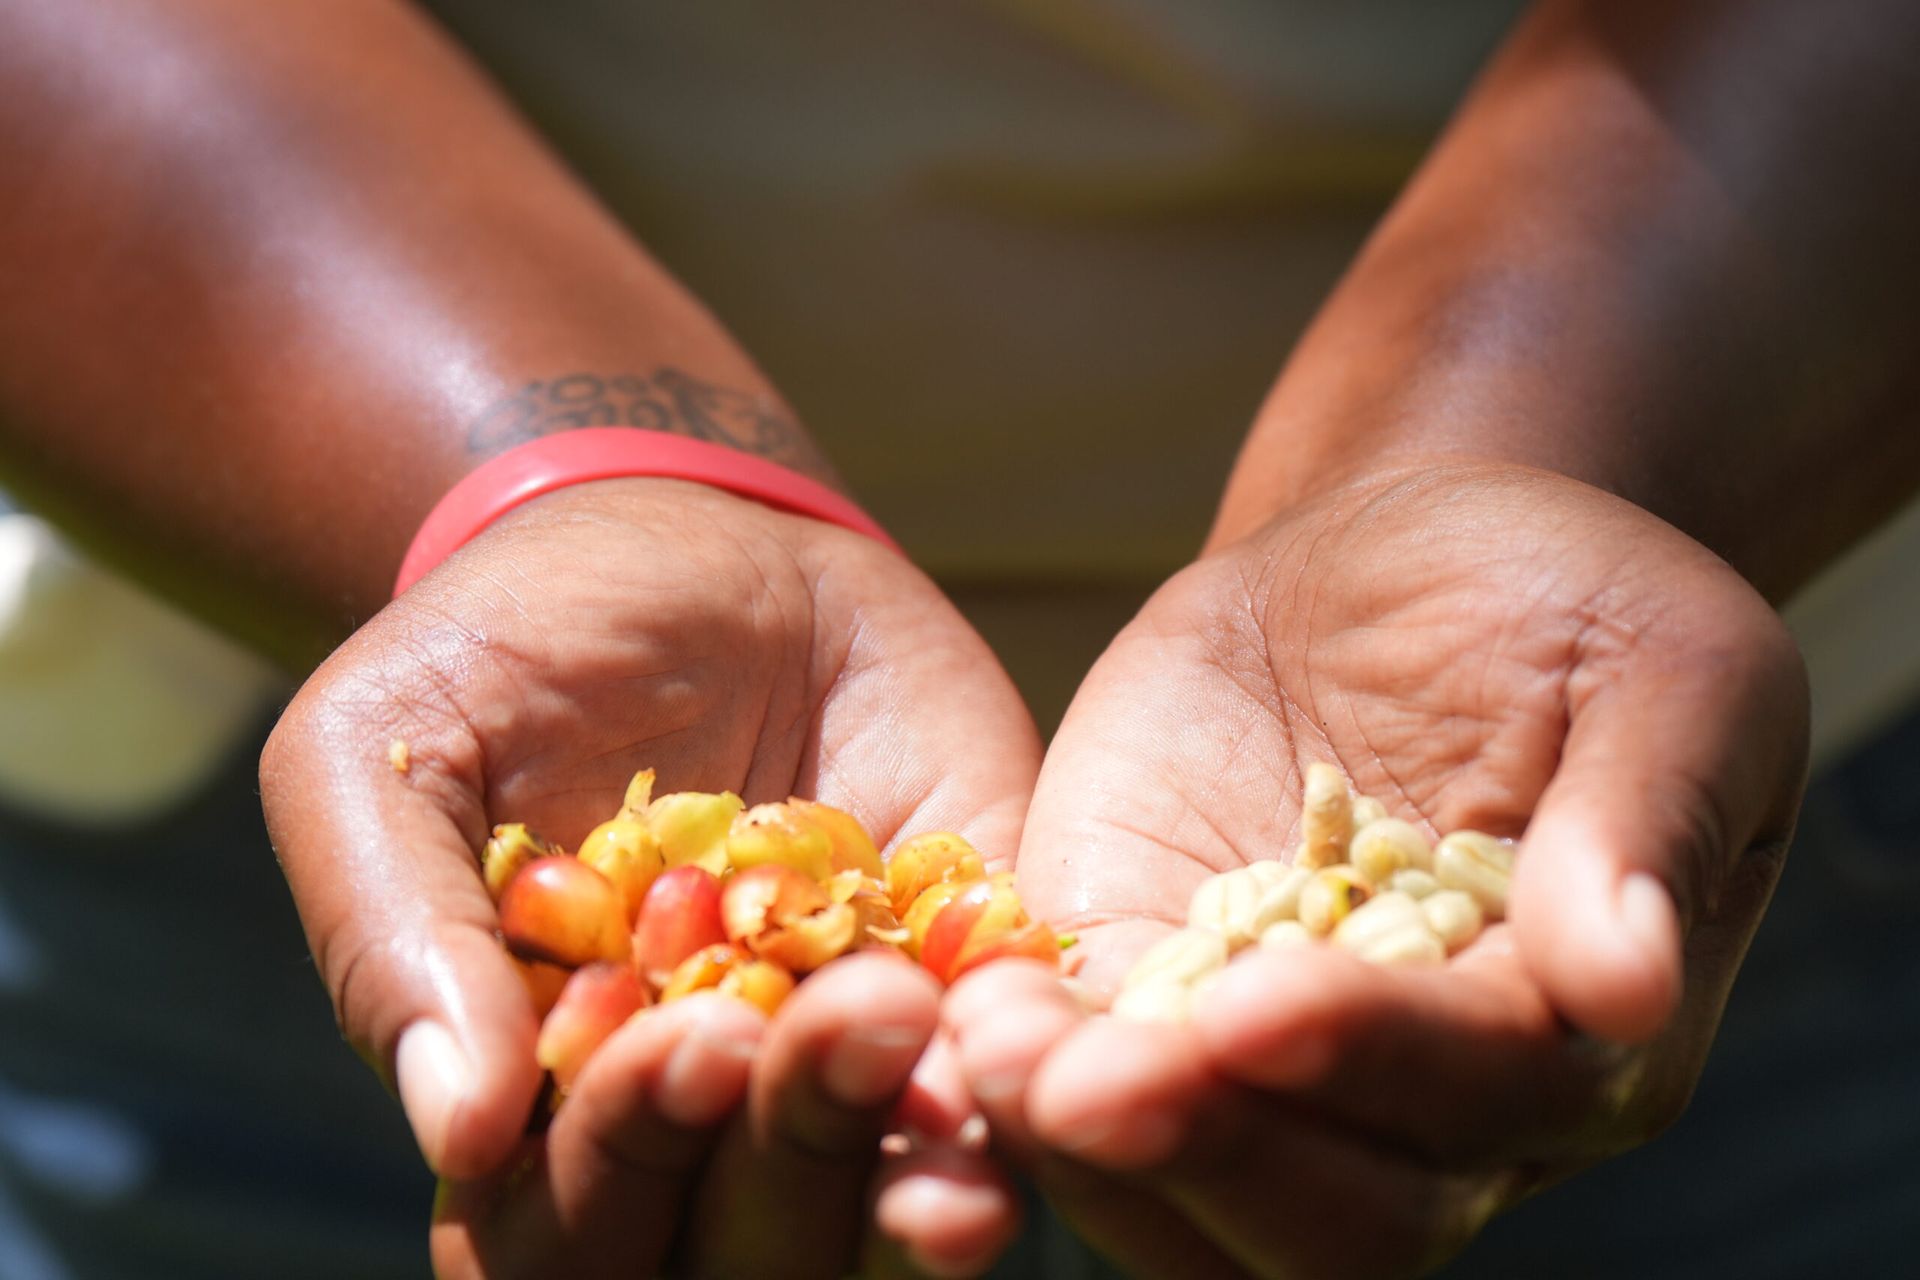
<point>1480,645</point>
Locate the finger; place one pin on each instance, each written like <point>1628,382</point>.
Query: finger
<point>382,868</point>
<point>1005,1019</point>
<point>835,1064</point>
<point>1464,1066</point>
<point>604,1194</point>
<point>1288,1193</point>
<point>1673,767</point>
<point>1132,1222</point>
<point>1118,1095</point>
<point>1267,1182</point>
<point>936,1107</point>
<point>943,1207</point>
<point>942,1211</point>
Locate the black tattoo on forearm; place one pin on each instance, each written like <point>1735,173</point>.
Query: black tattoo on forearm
<point>669,399</point>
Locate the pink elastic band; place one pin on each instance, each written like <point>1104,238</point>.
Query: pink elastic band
<point>552,462</point>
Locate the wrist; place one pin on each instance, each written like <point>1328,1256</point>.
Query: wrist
<point>1573,283</point>
<point>557,463</point>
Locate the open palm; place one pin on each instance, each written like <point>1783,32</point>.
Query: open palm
<point>1477,645</point>
<point>606,628</point>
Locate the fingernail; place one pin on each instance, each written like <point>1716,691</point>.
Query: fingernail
<point>868,1065</point>
<point>1646,913</point>
<point>973,1133</point>
<point>1131,1140</point>
<point>703,1077</point>
<point>958,1213</point>
<point>433,1077</point>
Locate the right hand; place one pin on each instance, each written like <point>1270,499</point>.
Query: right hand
<point>606,628</point>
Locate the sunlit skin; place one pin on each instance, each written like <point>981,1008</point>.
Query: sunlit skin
<point>1629,359</point>
<point>1661,263</point>
<point>728,1102</point>
<point>782,834</point>
<point>624,850</point>
<point>853,847</point>
<point>1551,651</point>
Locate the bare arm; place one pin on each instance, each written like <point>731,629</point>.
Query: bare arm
<point>1665,249</point>
<point>278,275</point>
<point>273,277</point>
<point>1660,263</point>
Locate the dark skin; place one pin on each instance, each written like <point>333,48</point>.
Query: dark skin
<point>1627,361</point>
<point>295,269</point>
<point>327,216</point>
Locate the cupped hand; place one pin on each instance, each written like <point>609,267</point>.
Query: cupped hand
<point>1478,645</point>
<point>606,628</point>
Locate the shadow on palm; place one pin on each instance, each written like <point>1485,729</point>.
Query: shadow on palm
<point>1476,645</point>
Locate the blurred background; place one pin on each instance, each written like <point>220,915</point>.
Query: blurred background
<point>1026,269</point>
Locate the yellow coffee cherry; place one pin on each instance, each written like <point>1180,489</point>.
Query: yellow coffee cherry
<point>624,851</point>
<point>511,847</point>
<point>691,828</point>
<point>853,848</point>
<point>779,833</point>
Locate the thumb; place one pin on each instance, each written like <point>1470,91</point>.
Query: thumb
<point>1681,754</point>
<point>399,921</point>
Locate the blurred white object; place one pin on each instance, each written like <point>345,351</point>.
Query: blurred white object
<point>113,705</point>
<point>1859,626</point>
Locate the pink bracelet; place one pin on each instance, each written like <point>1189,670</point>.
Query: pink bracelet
<point>552,462</point>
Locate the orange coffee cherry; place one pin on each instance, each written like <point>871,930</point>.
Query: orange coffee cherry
<point>563,912</point>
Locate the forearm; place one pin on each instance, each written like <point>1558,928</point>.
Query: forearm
<point>277,275</point>
<point>1664,249</point>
